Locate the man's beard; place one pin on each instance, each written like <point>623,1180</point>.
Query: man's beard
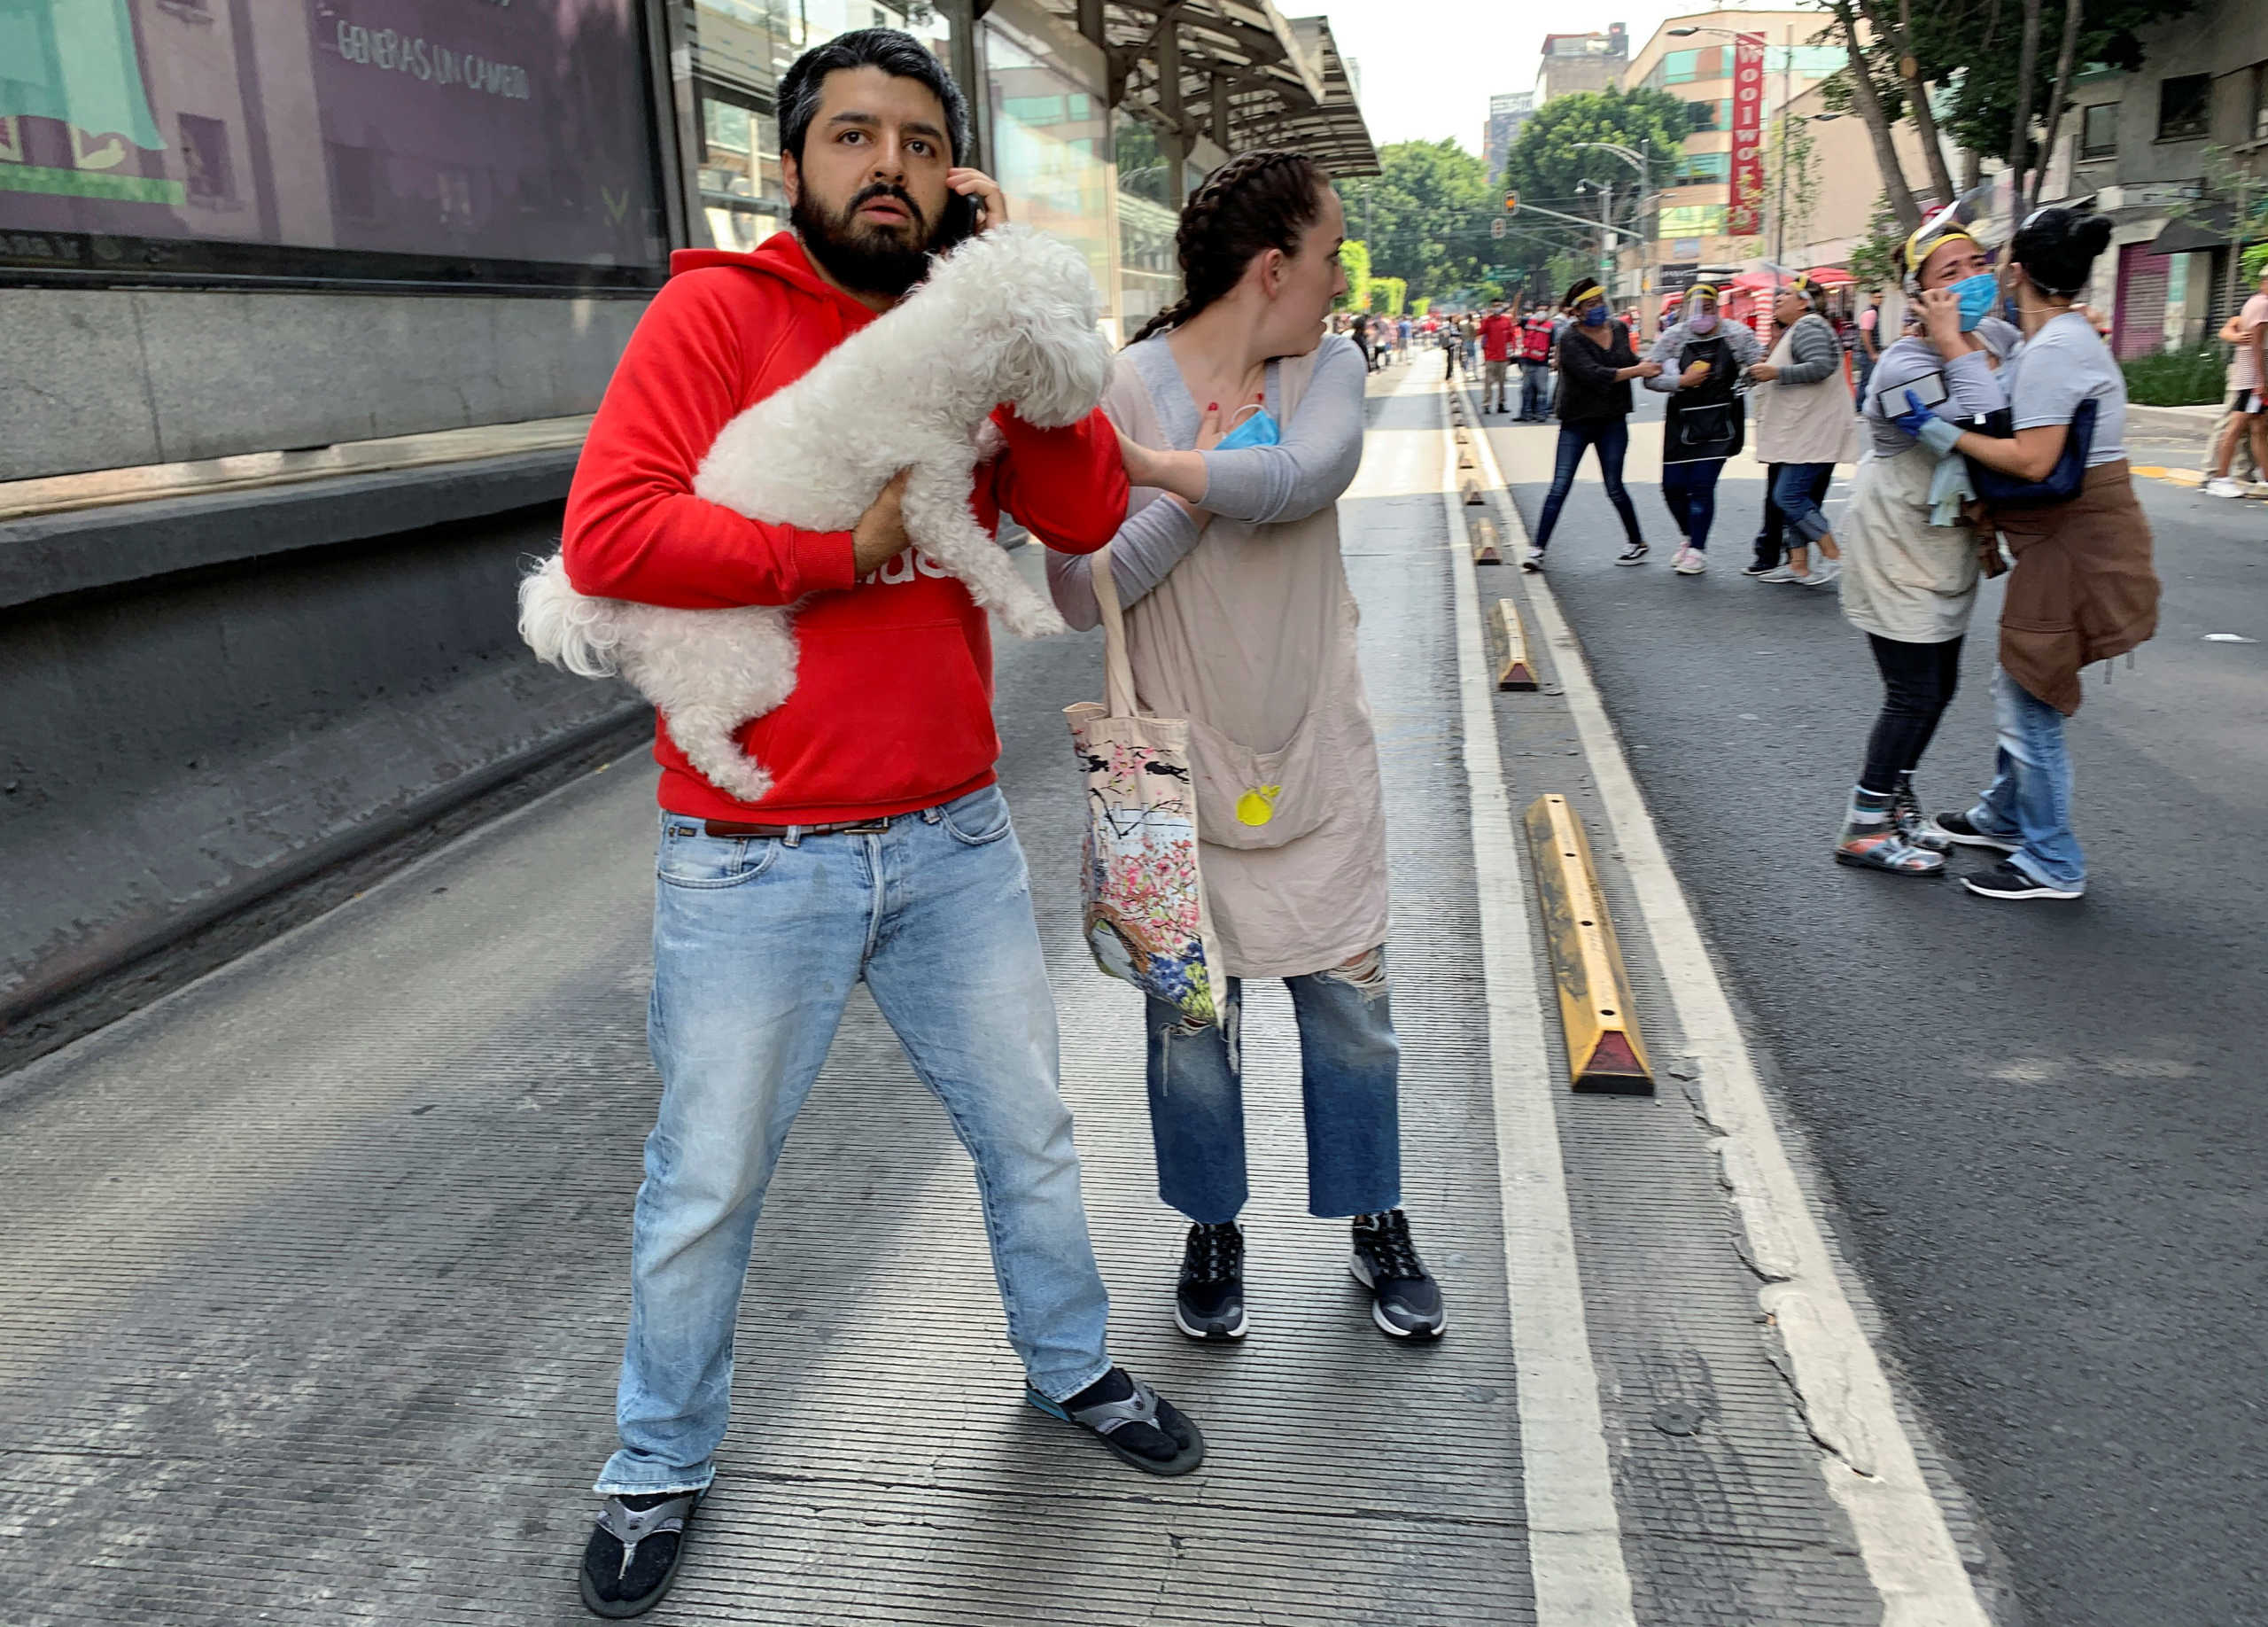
<point>866,257</point>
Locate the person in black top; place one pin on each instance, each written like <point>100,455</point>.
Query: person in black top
<point>1596,364</point>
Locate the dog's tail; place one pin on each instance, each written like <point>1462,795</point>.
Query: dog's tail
<point>563,627</point>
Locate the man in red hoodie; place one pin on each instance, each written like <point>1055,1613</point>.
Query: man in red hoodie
<point>883,853</point>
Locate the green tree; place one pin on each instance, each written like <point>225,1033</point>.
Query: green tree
<point>1354,256</point>
<point>1879,260</point>
<point>1389,294</point>
<point>1424,218</point>
<point>1549,162</point>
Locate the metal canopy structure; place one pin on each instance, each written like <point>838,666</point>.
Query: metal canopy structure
<point>1235,70</point>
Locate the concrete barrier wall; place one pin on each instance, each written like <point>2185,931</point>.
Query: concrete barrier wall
<point>102,378</point>
<point>204,700</point>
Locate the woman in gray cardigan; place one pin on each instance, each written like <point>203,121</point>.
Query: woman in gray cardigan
<point>1242,422</point>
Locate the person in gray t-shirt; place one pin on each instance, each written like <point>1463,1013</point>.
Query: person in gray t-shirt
<point>2064,363</point>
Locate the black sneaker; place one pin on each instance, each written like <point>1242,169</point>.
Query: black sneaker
<point>632,1553</point>
<point>1962,832</point>
<point>1635,554</point>
<point>2005,881</point>
<point>1209,1302</point>
<point>1762,567</point>
<point>1405,1301</point>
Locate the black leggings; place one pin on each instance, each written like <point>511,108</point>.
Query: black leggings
<point>1918,681</point>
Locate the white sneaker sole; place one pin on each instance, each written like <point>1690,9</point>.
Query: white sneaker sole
<point>1361,1273</point>
<point>1990,844</point>
<point>1243,1326</point>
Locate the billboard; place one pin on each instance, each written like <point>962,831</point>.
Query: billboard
<point>366,137</point>
<point>1745,217</point>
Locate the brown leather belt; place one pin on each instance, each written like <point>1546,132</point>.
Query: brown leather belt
<point>842,826</point>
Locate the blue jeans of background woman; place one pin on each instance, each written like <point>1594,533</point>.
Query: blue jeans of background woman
<point>2030,797</point>
<point>1350,1064</point>
<point>1769,536</point>
<point>1612,437</point>
<point>1690,492</point>
<point>1796,491</point>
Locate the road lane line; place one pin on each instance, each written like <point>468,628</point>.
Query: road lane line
<point>1870,1465</point>
<point>1574,1532</point>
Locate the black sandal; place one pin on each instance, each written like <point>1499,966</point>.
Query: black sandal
<point>1145,1410</point>
<point>611,1554</point>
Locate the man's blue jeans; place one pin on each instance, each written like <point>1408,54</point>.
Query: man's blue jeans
<point>1350,1066</point>
<point>1535,389</point>
<point>758,942</point>
<point>2031,794</point>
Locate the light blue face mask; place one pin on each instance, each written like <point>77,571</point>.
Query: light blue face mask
<point>1257,431</point>
<point>1977,294</point>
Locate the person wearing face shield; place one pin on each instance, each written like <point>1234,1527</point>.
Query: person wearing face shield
<point>1910,556</point>
<point>1596,364</point>
<point>1701,358</point>
<point>2054,480</point>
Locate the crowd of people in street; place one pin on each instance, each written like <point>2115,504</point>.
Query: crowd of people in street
<point>1988,438</point>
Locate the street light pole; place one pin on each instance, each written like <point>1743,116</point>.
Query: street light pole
<point>1780,209</point>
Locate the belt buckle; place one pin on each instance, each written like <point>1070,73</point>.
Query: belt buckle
<point>871,827</point>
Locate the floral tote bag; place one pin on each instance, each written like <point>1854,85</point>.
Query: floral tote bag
<point>1144,913</point>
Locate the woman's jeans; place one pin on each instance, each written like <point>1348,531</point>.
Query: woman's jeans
<point>1612,437</point>
<point>2030,795</point>
<point>1536,390</point>
<point>1796,491</point>
<point>1349,1063</point>
<point>1690,491</point>
<point>1768,533</point>
<point>1918,681</point>
<point>758,942</point>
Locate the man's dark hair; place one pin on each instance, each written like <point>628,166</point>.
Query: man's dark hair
<point>895,52</point>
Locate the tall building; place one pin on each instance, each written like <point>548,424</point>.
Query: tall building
<point>1693,228</point>
<point>1573,62</point>
<point>1506,113</point>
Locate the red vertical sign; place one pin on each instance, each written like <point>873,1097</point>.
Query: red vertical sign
<point>1745,217</point>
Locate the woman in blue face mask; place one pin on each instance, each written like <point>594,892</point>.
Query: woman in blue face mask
<point>1241,422</point>
<point>1702,357</point>
<point>1597,364</point>
<point>1910,557</point>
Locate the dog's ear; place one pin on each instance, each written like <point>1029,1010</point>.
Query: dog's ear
<point>1059,361</point>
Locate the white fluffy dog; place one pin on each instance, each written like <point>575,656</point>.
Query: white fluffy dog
<point>1010,316</point>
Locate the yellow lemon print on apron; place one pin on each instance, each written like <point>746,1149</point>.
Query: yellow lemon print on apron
<point>1257,805</point>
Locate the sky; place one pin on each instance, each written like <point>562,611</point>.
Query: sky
<point>1429,67</point>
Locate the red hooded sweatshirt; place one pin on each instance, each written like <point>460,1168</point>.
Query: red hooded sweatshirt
<point>892,708</point>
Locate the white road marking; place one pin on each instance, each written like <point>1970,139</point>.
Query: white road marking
<point>1574,1532</point>
<point>1870,1465</point>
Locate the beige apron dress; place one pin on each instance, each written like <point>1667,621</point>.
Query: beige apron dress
<point>1903,577</point>
<point>1251,637</point>
<point>1817,423</point>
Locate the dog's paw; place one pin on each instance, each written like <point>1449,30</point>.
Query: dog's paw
<point>1034,621</point>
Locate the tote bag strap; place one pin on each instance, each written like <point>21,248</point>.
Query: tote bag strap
<point>1118,670</point>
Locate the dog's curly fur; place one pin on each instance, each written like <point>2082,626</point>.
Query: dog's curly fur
<point>1011,315</point>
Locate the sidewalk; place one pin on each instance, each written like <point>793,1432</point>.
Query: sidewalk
<point>322,1270</point>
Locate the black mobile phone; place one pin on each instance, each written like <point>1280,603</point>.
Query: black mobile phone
<point>963,215</point>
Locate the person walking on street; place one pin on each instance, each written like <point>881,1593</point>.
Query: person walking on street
<point>1597,364</point>
<point>1911,558</point>
<point>1805,426</point>
<point>1452,343</point>
<point>2083,588</point>
<point>1536,333</point>
<point>766,914</point>
<point>1871,340</point>
<point>1701,359</point>
<point>1358,328</point>
<point>1239,618</point>
<point>1497,338</point>
<point>2248,418</point>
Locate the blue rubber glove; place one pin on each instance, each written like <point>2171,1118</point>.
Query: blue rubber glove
<point>1926,427</point>
<point>1914,418</point>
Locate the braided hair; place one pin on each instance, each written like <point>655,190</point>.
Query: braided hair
<point>1255,202</point>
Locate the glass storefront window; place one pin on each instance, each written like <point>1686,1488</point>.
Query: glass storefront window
<point>1051,146</point>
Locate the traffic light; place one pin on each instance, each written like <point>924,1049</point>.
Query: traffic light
<point>1512,203</point>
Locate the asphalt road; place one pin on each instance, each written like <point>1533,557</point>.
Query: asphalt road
<point>2043,1121</point>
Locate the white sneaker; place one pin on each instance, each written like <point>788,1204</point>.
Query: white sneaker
<point>1825,572</point>
<point>2223,487</point>
<point>1783,573</point>
<point>1690,562</point>
<point>1535,560</point>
